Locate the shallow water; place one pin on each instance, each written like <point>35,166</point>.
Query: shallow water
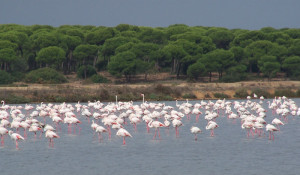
<point>228,152</point>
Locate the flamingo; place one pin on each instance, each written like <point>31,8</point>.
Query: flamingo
<point>99,130</point>
<point>195,130</point>
<point>271,129</point>
<point>156,125</point>
<point>277,122</point>
<point>51,134</point>
<point>176,123</point>
<point>123,133</point>
<point>211,125</point>
<point>3,131</point>
<point>248,125</point>
<point>34,128</point>
<point>15,137</point>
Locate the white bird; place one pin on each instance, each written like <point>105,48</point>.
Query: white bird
<point>100,130</point>
<point>51,134</point>
<point>156,125</point>
<point>277,122</point>
<point>211,125</point>
<point>15,137</point>
<point>195,130</point>
<point>123,133</point>
<point>3,131</point>
<point>271,130</point>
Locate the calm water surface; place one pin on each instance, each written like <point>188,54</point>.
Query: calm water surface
<point>229,152</point>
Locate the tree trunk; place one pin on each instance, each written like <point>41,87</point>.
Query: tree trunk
<point>209,76</point>
<point>178,70</point>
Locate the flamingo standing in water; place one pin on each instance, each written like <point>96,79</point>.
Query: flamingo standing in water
<point>211,125</point>
<point>51,134</point>
<point>100,130</point>
<point>271,129</point>
<point>195,130</point>
<point>156,125</point>
<point>123,133</point>
<point>277,122</point>
<point>3,131</point>
<point>176,123</point>
<point>15,137</point>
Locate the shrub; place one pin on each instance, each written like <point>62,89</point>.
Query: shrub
<point>191,96</point>
<point>220,95</point>
<point>233,78</point>
<point>99,79</point>
<point>162,89</point>
<point>298,93</point>
<point>285,92</point>
<point>18,76</point>
<point>241,93</point>
<point>45,75</point>
<point>86,71</point>
<point>207,95</point>
<point>12,99</point>
<point>5,78</point>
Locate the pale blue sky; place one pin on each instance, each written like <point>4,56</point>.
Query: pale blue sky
<point>245,14</point>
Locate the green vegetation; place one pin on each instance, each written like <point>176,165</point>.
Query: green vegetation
<point>86,71</point>
<point>220,95</point>
<point>241,93</point>
<point>99,79</point>
<point>45,75</point>
<point>5,78</point>
<point>127,50</point>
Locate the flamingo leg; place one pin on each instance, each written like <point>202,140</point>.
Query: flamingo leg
<point>269,135</point>
<point>25,134</point>
<point>148,130</point>
<point>158,133</point>
<point>79,128</point>
<point>17,144</point>
<point>124,143</point>
<point>195,137</point>
<point>2,140</point>
<point>154,134</point>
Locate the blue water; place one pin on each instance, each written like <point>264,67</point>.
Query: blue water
<point>228,152</point>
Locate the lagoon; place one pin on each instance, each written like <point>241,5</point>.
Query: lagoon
<point>228,152</point>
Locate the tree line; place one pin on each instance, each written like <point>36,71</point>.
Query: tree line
<point>127,50</point>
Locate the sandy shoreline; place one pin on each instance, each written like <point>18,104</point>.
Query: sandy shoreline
<point>106,92</point>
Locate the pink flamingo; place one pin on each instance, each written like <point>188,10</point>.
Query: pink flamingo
<point>195,130</point>
<point>176,123</point>
<point>277,122</point>
<point>51,134</point>
<point>15,137</point>
<point>211,125</point>
<point>271,130</point>
<point>100,130</point>
<point>123,133</point>
<point>3,131</point>
<point>156,125</point>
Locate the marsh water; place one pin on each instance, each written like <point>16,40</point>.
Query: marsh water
<point>228,152</point>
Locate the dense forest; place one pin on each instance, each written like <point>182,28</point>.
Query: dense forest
<point>127,50</point>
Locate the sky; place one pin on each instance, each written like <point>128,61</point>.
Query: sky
<point>243,14</point>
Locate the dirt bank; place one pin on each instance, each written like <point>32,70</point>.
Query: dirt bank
<point>72,92</point>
